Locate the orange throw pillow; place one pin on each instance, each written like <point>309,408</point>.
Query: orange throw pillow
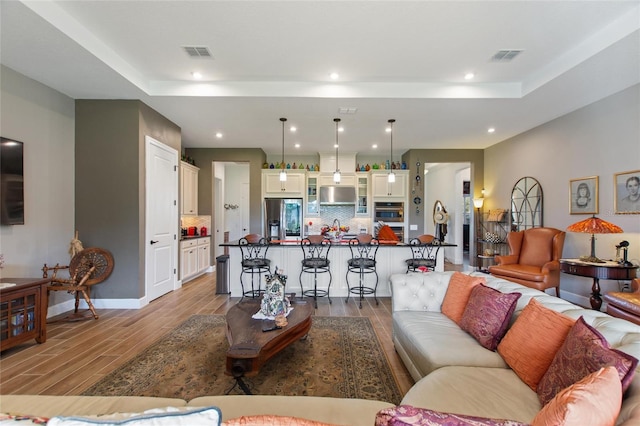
<point>457,296</point>
<point>533,340</point>
<point>594,400</point>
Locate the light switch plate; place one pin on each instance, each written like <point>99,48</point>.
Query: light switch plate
<point>413,227</point>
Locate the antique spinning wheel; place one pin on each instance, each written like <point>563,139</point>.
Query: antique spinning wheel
<point>84,260</point>
<point>87,267</point>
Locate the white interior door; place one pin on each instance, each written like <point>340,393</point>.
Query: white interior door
<point>161,242</point>
<point>236,182</point>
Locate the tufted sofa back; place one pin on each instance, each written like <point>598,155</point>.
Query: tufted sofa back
<point>426,291</point>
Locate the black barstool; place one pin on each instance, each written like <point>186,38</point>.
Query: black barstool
<point>363,261</point>
<point>315,260</point>
<point>424,252</point>
<point>254,261</point>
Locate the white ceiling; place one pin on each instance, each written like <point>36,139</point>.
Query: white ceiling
<point>396,59</point>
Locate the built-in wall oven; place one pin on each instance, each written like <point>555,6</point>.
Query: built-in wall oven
<point>391,213</point>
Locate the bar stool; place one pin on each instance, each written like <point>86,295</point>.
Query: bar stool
<point>315,260</point>
<point>253,248</point>
<point>424,251</point>
<point>363,261</point>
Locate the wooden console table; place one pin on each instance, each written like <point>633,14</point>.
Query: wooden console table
<point>607,271</point>
<point>23,311</point>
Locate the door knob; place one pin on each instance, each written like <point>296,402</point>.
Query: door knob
<point>153,242</point>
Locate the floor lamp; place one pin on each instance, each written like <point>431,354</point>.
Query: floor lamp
<point>478,203</point>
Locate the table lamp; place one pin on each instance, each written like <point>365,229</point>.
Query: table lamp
<point>594,225</point>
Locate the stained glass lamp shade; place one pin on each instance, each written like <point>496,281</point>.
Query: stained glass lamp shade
<point>594,225</point>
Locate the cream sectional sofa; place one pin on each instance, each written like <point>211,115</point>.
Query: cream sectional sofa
<point>453,372</point>
<point>339,411</point>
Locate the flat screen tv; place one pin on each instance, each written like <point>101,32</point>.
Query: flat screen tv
<point>11,182</point>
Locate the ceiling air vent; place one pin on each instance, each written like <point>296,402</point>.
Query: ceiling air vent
<point>347,110</point>
<point>197,51</point>
<point>505,55</point>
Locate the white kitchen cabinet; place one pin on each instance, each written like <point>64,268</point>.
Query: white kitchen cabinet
<point>204,255</point>
<point>382,188</point>
<point>312,195</point>
<point>195,257</point>
<point>189,189</point>
<point>346,179</point>
<point>188,258</point>
<point>294,186</point>
<point>362,191</point>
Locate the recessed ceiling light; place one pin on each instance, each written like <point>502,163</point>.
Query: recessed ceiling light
<point>196,75</point>
<point>293,129</point>
<point>334,76</point>
<point>374,146</point>
<point>341,129</point>
<point>335,145</point>
<point>469,76</point>
<point>388,129</point>
<point>297,145</point>
<point>218,135</point>
<point>491,129</point>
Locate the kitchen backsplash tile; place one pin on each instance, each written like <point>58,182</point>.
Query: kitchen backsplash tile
<point>197,221</point>
<point>344,214</point>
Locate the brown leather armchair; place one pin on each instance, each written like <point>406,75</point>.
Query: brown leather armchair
<point>534,259</point>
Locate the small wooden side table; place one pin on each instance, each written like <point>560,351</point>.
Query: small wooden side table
<point>608,270</point>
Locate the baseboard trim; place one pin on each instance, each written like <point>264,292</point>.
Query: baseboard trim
<point>69,305</point>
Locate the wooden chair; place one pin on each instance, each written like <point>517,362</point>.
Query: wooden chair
<point>534,259</point>
<point>87,267</point>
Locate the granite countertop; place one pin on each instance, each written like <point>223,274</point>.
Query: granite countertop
<point>193,237</point>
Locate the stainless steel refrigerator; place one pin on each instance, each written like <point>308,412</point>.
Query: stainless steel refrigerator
<point>283,218</point>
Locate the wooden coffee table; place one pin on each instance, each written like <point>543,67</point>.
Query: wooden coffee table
<point>250,347</point>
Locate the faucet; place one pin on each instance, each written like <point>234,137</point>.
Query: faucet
<point>336,224</point>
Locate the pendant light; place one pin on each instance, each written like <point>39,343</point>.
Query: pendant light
<point>336,174</point>
<point>283,172</point>
<point>391,177</point>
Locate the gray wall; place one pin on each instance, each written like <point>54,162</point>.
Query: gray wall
<point>475,159</point>
<point>110,157</point>
<point>204,158</point>
<point>43,119</point>
<point>598,140</point>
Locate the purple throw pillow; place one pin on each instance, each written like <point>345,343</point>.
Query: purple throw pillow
<point>404,415</point>
<point>583,352</point>
<point>487,315</point>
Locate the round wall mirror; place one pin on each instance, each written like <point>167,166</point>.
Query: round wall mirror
<point>526,204</point>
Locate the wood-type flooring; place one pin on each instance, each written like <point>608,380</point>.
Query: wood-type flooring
<point>78,354</point>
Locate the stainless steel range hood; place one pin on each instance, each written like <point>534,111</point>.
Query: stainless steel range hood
<point>337,195</point>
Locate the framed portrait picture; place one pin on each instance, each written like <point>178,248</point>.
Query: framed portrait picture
<point>626,187</point>
<point>583,195</point>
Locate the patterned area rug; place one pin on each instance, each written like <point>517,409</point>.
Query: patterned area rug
<point>341,357</point>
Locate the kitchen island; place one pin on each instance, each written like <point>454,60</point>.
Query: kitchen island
<point>287,256</point>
